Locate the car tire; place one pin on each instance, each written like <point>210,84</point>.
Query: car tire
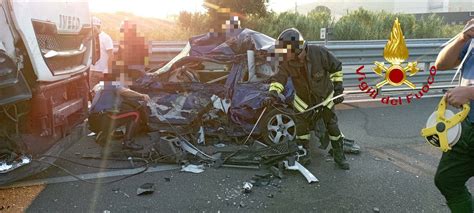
<point>277,125</point>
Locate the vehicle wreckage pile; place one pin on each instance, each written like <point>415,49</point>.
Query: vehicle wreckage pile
<point>207,108</point>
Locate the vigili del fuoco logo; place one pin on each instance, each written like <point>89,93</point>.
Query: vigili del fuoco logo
<point>395,52</point>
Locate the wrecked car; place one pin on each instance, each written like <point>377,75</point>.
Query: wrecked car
<point>213,91</point>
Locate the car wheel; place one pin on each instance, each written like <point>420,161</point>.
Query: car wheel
<point>278,125</point>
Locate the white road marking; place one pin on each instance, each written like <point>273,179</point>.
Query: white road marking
<point>65,179</point>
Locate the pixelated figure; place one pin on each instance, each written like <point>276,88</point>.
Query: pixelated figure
<point>115,105</point>
<point>228,28</point>
<point>276,54</point>
<point>231,24</point>
<point>103,54</point>
<point>133,53</point>
<point>291,48</point>
<point>286,50</point>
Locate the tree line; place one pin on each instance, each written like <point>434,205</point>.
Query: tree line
<point>359,24</point>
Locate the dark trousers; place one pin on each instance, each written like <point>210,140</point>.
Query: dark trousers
<point>107,123</point>
<point>325,121</point>
<point>330,121</point>
<point>455,168</point>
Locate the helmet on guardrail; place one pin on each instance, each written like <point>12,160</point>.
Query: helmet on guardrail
<point>292,37</point>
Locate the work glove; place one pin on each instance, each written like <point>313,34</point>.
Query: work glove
<point>340,99</point>
<point>272,97</point>
<point>338,90</point>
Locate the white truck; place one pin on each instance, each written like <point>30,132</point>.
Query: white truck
<point>45,54</point>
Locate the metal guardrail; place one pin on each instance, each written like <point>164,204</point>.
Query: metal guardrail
<point>349,52</point>
<point>361,52</point>
<point>352,55</point>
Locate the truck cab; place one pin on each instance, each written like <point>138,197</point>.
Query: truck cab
<point>45,55</point>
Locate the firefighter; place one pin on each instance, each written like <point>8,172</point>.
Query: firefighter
<point>455,167</point>
<point>317,77</point>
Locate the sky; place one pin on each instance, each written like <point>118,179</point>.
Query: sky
<point>165,8</point>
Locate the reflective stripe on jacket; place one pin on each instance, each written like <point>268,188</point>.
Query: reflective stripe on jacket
<point>313,80</point>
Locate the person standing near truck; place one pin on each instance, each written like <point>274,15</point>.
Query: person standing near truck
<point>133,52</point>
<point>105,58</point>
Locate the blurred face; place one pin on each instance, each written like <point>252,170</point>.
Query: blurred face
<point>128,30</point>
<point>124,79</point>
<point>231,25</point>
<point>289,50</point>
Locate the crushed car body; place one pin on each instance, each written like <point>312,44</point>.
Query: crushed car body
<point>211,84</point>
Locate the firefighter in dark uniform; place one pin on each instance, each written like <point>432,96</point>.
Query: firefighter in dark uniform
<point>317,77</point>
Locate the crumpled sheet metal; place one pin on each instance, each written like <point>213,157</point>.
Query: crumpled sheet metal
<point>305,172</point>
<point>7,167</point>
<point>196,169</point>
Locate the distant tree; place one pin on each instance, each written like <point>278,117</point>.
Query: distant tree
<point>321,9</point>
<point>362,24</point>
<point>241,8</point>
<point>184,20</point>
<point>321,16</point>
<point>429,27</point>
<point>356,25</point>
<point>193,23</point>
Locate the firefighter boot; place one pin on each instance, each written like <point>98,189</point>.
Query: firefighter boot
<point>338,154</point>
<point>303,154</point>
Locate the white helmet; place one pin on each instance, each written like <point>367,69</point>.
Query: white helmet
<point>96,21</point>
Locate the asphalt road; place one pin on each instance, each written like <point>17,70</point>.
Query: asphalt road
<point>394,173</point>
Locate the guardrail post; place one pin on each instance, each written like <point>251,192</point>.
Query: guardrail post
<point>427,67</point>
<point>150,49</point>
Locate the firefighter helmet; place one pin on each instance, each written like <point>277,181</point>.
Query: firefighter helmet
<point>293,37</point>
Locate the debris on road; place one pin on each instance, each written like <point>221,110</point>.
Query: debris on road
<point>201,138</point>
<point>219,145</point>
<point>262,180</point>
<point>147,188</point>
<point>196,169</point>
<point>14,163</point>
<point>305,172</point>
<point>117,190</point>
<point>277,172</point>
<point>247,187</point>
